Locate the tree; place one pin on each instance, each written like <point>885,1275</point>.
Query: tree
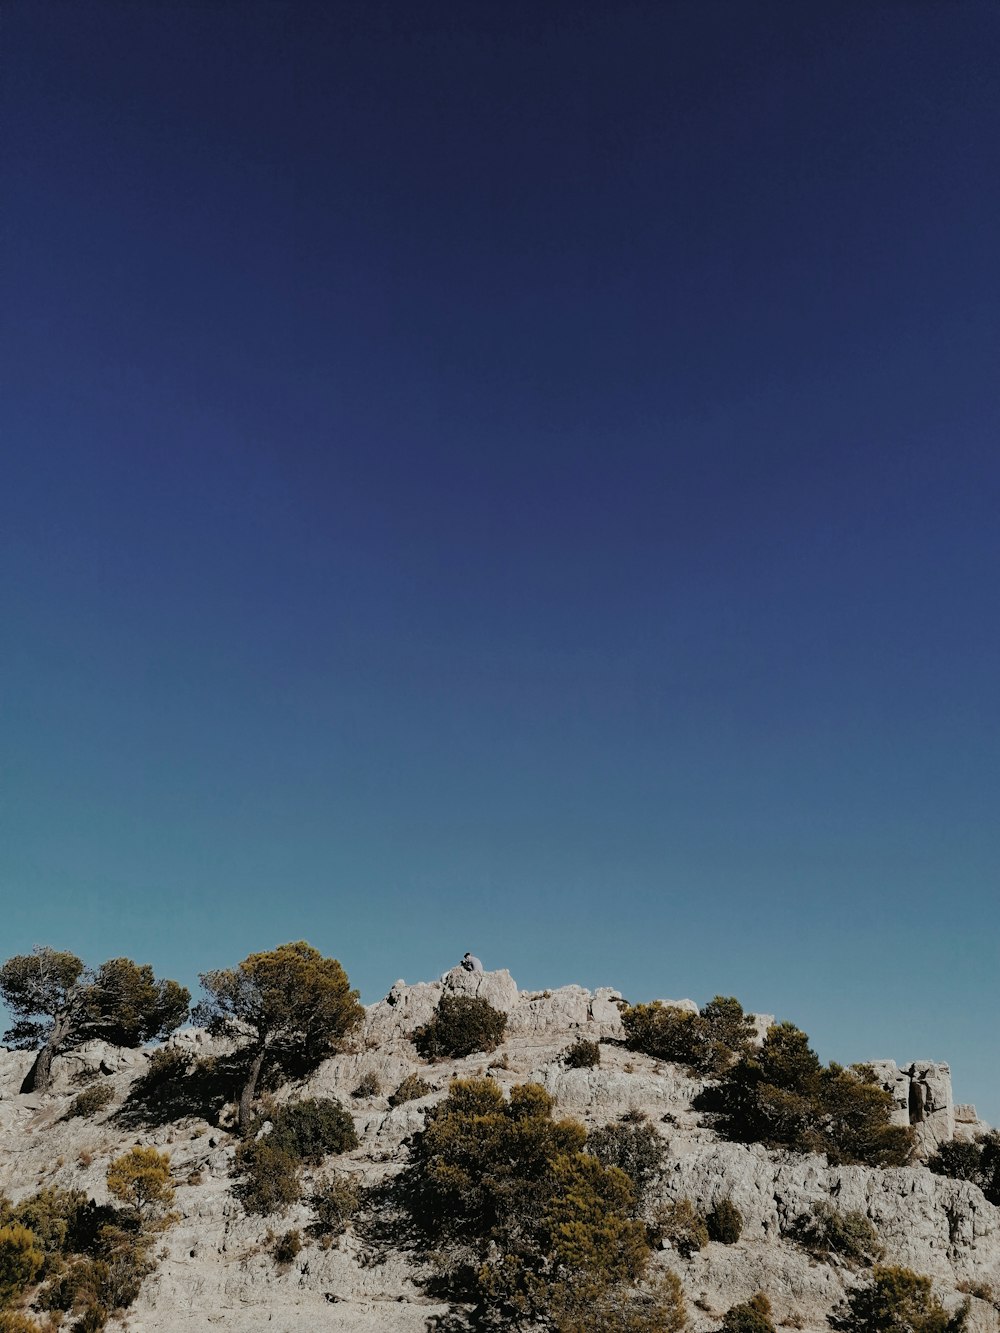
<point>140,1179</point>
<point>523,1219</point>
<point>59,1003</point>
<point>290,1003</point>
<point>783,1096</point>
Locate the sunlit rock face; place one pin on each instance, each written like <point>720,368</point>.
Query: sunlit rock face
<point>218,1272</point>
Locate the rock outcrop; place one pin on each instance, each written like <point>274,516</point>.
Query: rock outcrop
<point>217,1270</point>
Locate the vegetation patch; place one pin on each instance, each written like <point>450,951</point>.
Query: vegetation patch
<point>633,1146</point>
<point>98,1097</point>
<point>334,1203</point>
<point>460,1025</point>
<point>526,1223</point>
<point>582,1054</point>
<point>71,1256</point>
<point>311,1130</point>
<point>724,1223</point>
<point>977,1162</point>
<point>368,1086</point>
<point>708,1042</point>
<point>783,1097</point>
<point>849,1237</point>
<point>753,1316</point>
<point>411,1088</point>
<point>682,1226</point>
<point>897,1300</point>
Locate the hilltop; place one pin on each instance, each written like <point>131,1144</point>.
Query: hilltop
<point>216,1266</point>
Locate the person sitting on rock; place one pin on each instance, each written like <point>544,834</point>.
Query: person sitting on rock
<point>471,963</point>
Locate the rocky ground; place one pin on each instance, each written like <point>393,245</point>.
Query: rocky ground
<point>216,1269</point>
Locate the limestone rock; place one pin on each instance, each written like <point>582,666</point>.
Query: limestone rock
<point>218,1271</point>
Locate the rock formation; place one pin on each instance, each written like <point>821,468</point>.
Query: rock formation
<point>217,1271</point>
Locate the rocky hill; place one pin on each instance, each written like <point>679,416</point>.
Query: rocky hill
<point>216,1268</point>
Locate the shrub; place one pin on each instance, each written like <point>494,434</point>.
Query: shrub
<point>683,1226</point>
<point>287,1247</point>
<point>334,1204</point>
<point>90,1101</point>
<point>848,1236</point>
<point>978,1162</point>
<point>534,1227</point>
<point>783,1096</point>
<point>753,1316</point>
<point>656,1308</point>
<point>369,1086</point>
<point>21,1259</point>
<point>663,1031</point>
<point>708,1041</point>
<point>311,1130</point>
<point>460,1025</point>
<point>582,1054</point>
<point>12,1321</point>
<point>632,1147</point>
<point>588,1224</point>
<point>983,1291</point>
<point>140,1179</point>
<point>268,1178</point>
<point>897,1300</point>
<point>51,1216</point>
<point>412,1087</point>
<point>725,1223</point>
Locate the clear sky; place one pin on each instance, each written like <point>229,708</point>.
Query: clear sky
<point>514,477</point>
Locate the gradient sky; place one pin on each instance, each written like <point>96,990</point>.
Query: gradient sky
<point>515,477</point>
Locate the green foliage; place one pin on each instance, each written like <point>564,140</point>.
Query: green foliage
<point>588,1225</point>
<point>412,1087</point>
<point>708,1041</point>
<point>368,1086</point>
<point>94,1256</point>
<point>725,1223</point>
<point>310,1130</point>
<point>295,1005</point>
<point>12,1321</point>
<point>656,1308</point>
<point>128,1006</point>
<point>897,1300</point>
<point>460,1025</point>
<point>59,1003</point>
<point>582,1054</point>
<point>849,1237</point>
<point>633,1147</point>
<point>141,1180</point>
<point>783,1096</point>
<point>21,1259</point>
<point>334,1203</point>
<point>92,1100</point>
<point>52,1216</point>
<point>287,1247</point>
<point>663,1031</point>
<point>753,1316</point>
<point>977,1162</point>
<point>683,1226</point>
<point>503,1181</point>
<point>267,1177</point>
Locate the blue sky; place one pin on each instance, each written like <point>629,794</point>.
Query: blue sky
<point>511,477</point>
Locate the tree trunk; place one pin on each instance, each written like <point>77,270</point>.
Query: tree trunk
<point>39,1076</point>
<point>250,1091</point>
